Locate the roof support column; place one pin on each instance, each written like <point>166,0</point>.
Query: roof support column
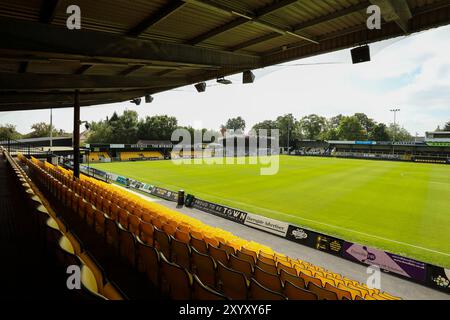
<point>76,134</point>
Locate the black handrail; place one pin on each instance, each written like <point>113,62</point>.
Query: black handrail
<point>14,146</point>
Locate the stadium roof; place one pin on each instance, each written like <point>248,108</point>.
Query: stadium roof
<point>127,49</point>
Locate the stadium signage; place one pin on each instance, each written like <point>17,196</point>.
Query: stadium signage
<point>439,278</point>
<point>366,142</point>
<point>164,193</point>
<point>403,266</point>
<point>219,210</point>
<point>266,224</point>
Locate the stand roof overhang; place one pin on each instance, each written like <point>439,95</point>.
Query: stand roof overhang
<point>127,49</point>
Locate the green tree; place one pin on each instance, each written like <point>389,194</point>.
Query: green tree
<point>350,129</point>
<point>379,133</point>
<point>101,132</point>
<point>447,126</point>
<point>8,131</point>
<point>287,126</point>
<point>312,126</point>
<point>265,125</point>
<point>236,124</point>
<point>367,123</point>
<point>396,133</point>
<point>42,129</point>
<point>125,128</point>
<point>158,127</point>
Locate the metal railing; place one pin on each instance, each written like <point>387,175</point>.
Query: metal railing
<point>14,147</point>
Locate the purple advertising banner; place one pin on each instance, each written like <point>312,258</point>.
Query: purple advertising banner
<point>406,267</point>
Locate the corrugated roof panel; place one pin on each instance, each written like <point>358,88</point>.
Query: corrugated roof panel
<point>273,44</point>
<point>21,9</point>
<point>53,67</point>
<point>307,10</point>
<point>187,23</point>
<point>245,32</point>
<point>9,66</point>
<point>118,16</point>
<point>104,70</point>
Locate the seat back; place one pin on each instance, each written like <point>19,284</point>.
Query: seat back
<point>310,279</point>
<point>100,223</point>
<point>259,292</point>
<point>268,280</point>
<point>112,232</point>
<point>282,266</point>
<point>146,232</point>
<point>199,244</point>
<point>204,267</point>
<point>293,278</point>
<point>134,222</point>
<point>229,249</point>
<point>292,292</point>
<point>322,293</point>
<point>162,242</point>
<point>176,282</point>
<point>127,247</point>
<point>231,283</point>
<point>267,267</point>
<point>246,257</point>
<point>180,253</point>
<point>169,229</point>
<point>341,294</point>
<point>148,261</point>
<point>241,265</point>
<point>219,254</point>
<point>202,292</point>
<point>182,236</point>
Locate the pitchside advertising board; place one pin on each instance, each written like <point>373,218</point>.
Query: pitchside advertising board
<point>164,193</point>
<point>218,210</point>
<point>315,240</point>
<point>266,224</point>
<point>405,267</point>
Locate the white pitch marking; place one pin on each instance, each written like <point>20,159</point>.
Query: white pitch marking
<point>337,227</point>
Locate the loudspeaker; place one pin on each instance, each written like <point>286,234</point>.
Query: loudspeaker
<point>201,87</point>
<point>148,98</point>
<point>360,54</point>
<point>248,77</point>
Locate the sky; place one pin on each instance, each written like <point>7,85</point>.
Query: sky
<point>410,73</point>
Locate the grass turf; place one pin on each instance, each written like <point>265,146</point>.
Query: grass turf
<point>400,207</point>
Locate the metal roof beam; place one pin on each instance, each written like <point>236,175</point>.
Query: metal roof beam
<point>130,70</point>
<point>10,101</point>
<point>28,37</point>
<point>153,19</point>
<point>254,17</point>
<point>48,10</point>
<point>306,24</point>
<point>83,69</point>
<point>395,10</point>
<point>44,82</point>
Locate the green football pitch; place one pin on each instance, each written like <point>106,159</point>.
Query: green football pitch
<point>400,207</point>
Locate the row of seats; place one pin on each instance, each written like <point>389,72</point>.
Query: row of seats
<point>114,234</point>
<point>98,156</point>
<point>154,229</point>
<point>59,243</point>
<point>187,154</point>
<point>125,156</point>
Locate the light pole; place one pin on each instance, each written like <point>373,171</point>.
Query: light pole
<point>288,136</point>
<point>395,127</point>
<point>51,128</point>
